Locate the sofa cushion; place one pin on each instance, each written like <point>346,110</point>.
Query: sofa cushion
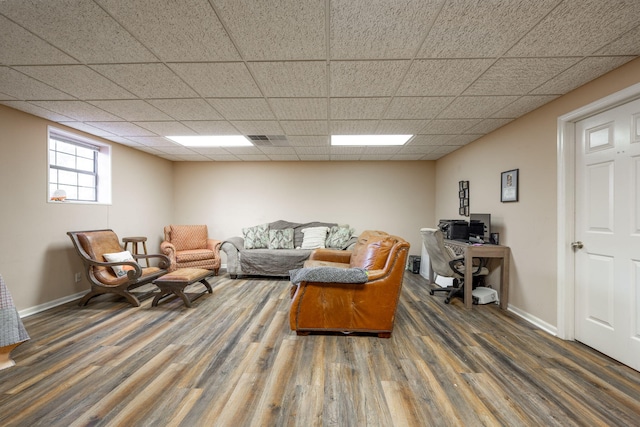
<point>338,236</point>
<point>314,237</point>
<point>194,255</point>
<point>298,236</point>
<point>186,237</point>
<point>372,250</point>
<point>256,237</point>
<point>281,239</point>
<point>120,270</point>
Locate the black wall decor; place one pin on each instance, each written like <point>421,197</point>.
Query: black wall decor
<point>463,195</point>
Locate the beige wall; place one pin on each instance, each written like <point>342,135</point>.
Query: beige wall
<point>528,226</point>
<point>396,197</point>
<point>37,261</point>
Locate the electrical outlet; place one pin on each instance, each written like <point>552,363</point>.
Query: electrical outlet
<point>78,277</point>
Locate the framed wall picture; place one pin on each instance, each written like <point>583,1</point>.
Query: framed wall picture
<point>509,186</point>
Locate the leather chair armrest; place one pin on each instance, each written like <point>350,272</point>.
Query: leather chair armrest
<point>331,255</point>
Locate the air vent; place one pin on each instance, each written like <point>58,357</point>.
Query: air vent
<point>269,140</point>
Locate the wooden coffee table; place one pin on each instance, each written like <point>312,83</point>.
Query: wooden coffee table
<point>175,282</point>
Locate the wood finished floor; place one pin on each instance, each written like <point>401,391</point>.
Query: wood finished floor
<point>232,361</point>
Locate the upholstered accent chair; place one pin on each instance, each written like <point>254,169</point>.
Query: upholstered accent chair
<point>368,307</point>
<point>117,277</point>
<point>189,246</point>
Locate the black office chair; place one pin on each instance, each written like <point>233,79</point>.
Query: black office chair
<point>446,264</point>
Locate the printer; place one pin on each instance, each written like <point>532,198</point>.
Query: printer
<point>454,229</point>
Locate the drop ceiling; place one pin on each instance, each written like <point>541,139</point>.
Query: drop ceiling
<point>297,71</point>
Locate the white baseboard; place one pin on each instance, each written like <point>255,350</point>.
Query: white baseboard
<point>47,305</point>
<point>547,327</point>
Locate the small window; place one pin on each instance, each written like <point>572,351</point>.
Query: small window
<point>79,169</point>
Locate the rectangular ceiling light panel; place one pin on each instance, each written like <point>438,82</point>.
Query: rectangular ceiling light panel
<point>211,140</point>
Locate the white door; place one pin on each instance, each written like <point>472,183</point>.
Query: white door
<point>607,221</point>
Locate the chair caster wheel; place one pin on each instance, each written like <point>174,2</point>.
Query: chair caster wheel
<point>431,292</point>
<point>446,301</point>
<point>475,300</point>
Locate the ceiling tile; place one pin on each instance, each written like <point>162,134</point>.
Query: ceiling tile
<point>30,48</point>
<point>178,150</point>
<point>123,141</point>
<point>77,110</point>
<point>77,80</point>
<point>194,158</point>
<point>186,109</point>
<point>627,44</point>
<point>375,157</point>
<point>381,150</point>
<point>581,73</point>
<point>238,151</point>
<point>153,141</point>
<point>131,110</point>
<point>125,129</point>
<point>166,128</point>
<point>258,127</point>
<point>253,157</point>
<point>518,76</point>
<point>407,157</point>
<point>212,127</point>
<point>294,29</point>
<point>36,111</point>
<point>366,78</point>
<point>416,149</point>
<point>346,151</point>
<point>417,107</point>
<point>450,126</point>
<point>147,80</point>
<point>358,108</point>
<point>582,26</point>
<point>84,127</point>
<point>459,140</point>
<point>218,79</point>
<point>306,151</point>
<point>379,29</point>
<point>487,125</point>
<point>277,150</point>
<point>299,108</point>
<point>523,105</point>
<point>353,127</point>
<point>475,106</point>
<point>308,141</point>
<point>402,127</point>
<point>304,127</point>
<point>223,157</point>
<point>81,29</point>
<point>283,157</point>
<point>188,30</point>
<point>315,158</point>
<point>481,29</point>
<point>429,140</point>
<point>291,79</point>
<point>25,88</point>
<point>5,97</point>
<point>432,77</point>
<point>243,108</point>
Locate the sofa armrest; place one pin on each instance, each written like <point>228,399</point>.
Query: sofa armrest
<point>237,242</point>
<point>331,255</point>
<point>214,245</point>
<point>169,250</point>
<point>232,248</point>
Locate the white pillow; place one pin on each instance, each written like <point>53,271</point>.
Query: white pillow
<point>120,270</point>
<point>314,237</point>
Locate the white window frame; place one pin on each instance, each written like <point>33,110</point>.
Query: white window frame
<point>103,165</point>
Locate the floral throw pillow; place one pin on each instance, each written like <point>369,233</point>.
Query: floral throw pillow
<point>281,239</point>
<point>256,237</point>
<point>338,236</point>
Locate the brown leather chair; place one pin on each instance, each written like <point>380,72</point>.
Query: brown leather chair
<point>347,307</point>
<point>189,246</point>
<point>92,245</point>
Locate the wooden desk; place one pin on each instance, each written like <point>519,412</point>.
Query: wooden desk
<point>471,251</point>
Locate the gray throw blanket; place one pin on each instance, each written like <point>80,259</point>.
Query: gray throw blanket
<point>329,275</point>
<point>12,330</point>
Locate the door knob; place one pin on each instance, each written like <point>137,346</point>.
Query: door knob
<point>577,245</point>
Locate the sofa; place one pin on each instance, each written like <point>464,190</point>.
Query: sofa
<point>275,248</point>
<point>350,291</point>
<point>189,246</point>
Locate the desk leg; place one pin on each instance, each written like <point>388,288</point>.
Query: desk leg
<point>468,279</point>
<point>504,282</point>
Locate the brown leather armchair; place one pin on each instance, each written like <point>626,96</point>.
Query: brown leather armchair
<point>189,246</point>
<point>92,245</point>
<point>347,307</point>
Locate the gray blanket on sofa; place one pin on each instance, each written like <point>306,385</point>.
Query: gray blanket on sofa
<point>329,275</point>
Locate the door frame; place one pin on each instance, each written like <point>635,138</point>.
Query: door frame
<point>566,157</point>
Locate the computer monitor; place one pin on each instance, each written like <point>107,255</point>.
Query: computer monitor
<point>485,219</point>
